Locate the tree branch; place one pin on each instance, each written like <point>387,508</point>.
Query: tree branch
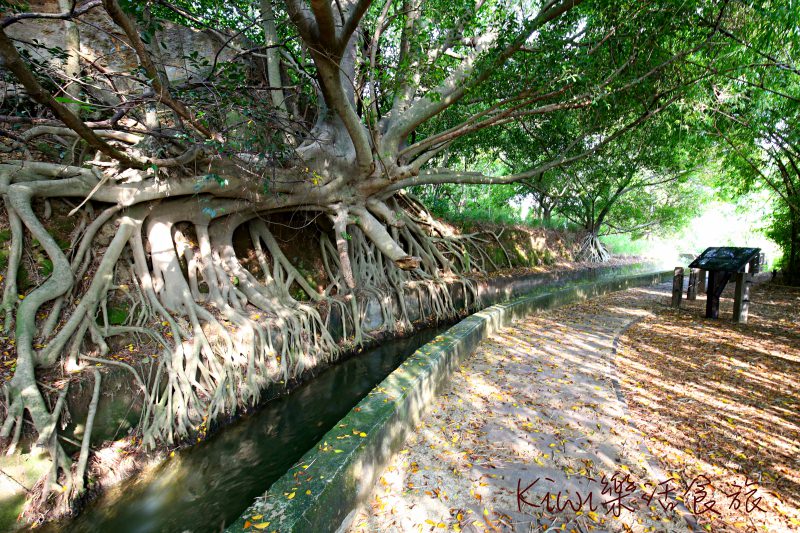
<point>469,75</point>
<point>11,60</point>
<point>445,176</point>
<point>66,15</point>
<point>354,16</point>
<point>127,25</point>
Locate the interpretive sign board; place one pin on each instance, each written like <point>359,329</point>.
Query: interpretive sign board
<point>725,259</point>
<point>722,262</point>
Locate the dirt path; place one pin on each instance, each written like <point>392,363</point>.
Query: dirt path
<point>722,400</point>
<point>532,435</point>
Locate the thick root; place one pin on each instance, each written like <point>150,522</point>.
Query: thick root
<point>224,332</point>
<point>592,250</point>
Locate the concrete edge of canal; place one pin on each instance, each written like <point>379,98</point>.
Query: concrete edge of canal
<point>324,488</point>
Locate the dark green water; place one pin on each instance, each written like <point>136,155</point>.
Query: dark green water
<point>207,486</point>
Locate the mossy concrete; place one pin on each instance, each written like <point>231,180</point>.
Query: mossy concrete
<point>321,492</point>
<point>18,475</point>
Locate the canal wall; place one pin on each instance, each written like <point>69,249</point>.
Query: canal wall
<point>324,488</point>
<point>120,404</point>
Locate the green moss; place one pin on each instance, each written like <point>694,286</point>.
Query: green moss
<point>498,256</point>
<point>10,507</point>
<point>25,469</point>
<point>312,276</point>
<point>47,149</point>
<point>521,255</point>
<point>46,267</point>
<point>117,315</point>
<point>298,293</point>
<point>23,280</point>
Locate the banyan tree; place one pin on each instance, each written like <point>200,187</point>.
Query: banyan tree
<point>171,132</point>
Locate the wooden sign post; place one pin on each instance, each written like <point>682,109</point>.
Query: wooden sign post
<point>716,284</point>
<point>691,290</point>
<point>677,287</point>
<point>741,299</point>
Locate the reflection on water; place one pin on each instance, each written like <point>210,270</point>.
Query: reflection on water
<point>207,486</point>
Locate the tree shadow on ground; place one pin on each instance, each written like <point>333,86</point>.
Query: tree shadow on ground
<point>722,400</point>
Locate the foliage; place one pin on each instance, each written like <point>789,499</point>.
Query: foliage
<point>600,110</point>
<point>781,231</point>
<point>747,107</point>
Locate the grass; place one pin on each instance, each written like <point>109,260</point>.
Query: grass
<point>468,217</point>
<point>625,245</point>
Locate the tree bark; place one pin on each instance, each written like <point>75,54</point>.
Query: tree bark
<point>72,68</point>
<point>273,57</point>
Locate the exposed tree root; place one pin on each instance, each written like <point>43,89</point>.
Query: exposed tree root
<point>83,458</point>
<point>224,332</point>
<point>592,250</point>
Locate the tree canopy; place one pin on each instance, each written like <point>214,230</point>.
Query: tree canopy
<point>175,131</point>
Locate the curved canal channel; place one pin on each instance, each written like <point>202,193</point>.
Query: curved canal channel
<point>206,487</point>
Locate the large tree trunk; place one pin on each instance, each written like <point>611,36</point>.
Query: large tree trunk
<point>547,214</point>
<point>168,242</point>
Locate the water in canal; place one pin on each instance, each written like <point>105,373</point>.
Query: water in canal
<point>208,486</point>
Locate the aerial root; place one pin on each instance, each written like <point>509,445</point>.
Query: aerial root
<point>222,333</point>
<point>592,250</point>
<point>83,457</point>
<point>10,300</point>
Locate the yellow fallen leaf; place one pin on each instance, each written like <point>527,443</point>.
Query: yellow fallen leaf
<point>262,525</point>
<point>290,496</point>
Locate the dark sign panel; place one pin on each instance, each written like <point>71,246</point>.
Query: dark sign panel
<point>725,259</point>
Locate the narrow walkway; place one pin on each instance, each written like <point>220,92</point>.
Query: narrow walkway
<point>532,436</point>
